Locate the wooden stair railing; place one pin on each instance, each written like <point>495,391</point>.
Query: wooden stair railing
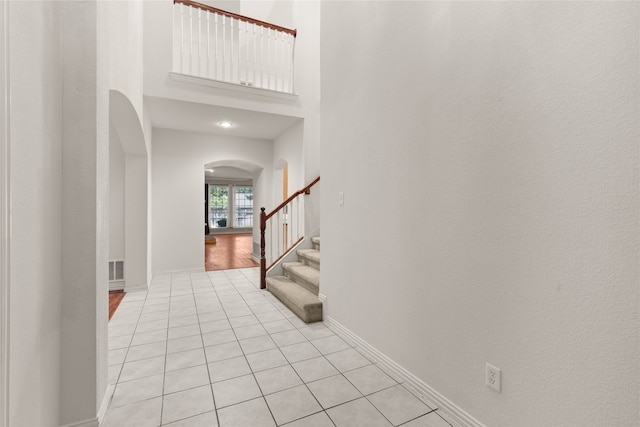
<point>289,229</point>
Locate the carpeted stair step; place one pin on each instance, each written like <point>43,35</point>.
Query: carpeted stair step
<point>303,303</point>
<point>316,242</point>
<point>305,276</point>
<point>310,257</point>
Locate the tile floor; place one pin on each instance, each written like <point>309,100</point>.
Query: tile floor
<point>211,349</point>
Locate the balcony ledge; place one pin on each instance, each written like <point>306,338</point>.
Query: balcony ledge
<point>233,87</point>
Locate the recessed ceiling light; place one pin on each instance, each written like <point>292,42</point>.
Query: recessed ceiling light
<point>209,170</point>
<point>225,124</point>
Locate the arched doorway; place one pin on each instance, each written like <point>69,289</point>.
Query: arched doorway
<point>229,214</point>
<point>128,198</point>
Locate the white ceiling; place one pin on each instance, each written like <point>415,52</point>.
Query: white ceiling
<point>194,117</point>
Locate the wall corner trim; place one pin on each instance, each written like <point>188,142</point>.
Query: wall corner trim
<point>5,211</point>
<point>106,401</point>
<point>447,409</point>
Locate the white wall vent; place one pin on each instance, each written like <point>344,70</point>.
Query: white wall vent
<point>116,270</point>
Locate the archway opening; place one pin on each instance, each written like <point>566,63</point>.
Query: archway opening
<point>229,214</point>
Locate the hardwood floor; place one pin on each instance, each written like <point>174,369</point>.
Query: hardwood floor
<point>115,297</point>
<point>229,251</point>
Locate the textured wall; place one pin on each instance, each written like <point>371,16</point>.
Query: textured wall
<point>116,196</point>
<point>35,263</point>
<point>178,178</point>
<point>499,142</point>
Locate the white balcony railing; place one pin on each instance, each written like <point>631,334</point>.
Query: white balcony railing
<point>219,45</point>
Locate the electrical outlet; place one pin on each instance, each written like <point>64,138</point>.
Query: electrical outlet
<point>494,378</point>
<point>341,198</point>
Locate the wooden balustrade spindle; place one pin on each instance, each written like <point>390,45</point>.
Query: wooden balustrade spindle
<point>252,52</point>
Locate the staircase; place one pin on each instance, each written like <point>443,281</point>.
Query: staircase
<point>298,288</point>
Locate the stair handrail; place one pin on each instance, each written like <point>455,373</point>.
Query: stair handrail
<point>237,16</point>
<point>263,226</point>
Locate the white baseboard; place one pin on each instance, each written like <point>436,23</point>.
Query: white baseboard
<point>117,286</point>
<point>106,401</point>
<point>188,270</point>
<point>447,409</point>
<point>93,422</point>
<point>325,306</point>
<point>136,288</point>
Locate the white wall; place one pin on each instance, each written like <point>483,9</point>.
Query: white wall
<point>178,177</point>
<point>125,56</point>
<point>123,23</point>
<point>35,262</point>
<point>116,196</point>
<point>85,195</point>
<point>60,207</point>
<point>148,136</point>
<point>5,246</point>
<point>126,124</point>
<point>288,148</point>
<point>499,141</point>
<point>306,16</point>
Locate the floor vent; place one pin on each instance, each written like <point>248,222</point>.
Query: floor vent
<point>116,270</point>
